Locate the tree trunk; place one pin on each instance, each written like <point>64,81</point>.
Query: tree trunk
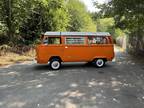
<point>9,20</point>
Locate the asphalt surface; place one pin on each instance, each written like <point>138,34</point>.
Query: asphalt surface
<point>120,84</point>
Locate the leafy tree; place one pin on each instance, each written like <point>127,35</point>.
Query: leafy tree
<point>12,13</point>
<point>58,15</point>
<point>80,19</point>
<point>50,15</point>
<point>22,21</point>
<point>26,19</point>
<point>7,16</point>
<point>128,16</point>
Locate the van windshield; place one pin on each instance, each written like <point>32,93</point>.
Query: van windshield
<point>51,40</point>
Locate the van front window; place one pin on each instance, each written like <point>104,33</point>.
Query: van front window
<point>52,40</point>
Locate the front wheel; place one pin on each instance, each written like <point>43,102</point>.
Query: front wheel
<point>99,63</point>
<point>55,64</point>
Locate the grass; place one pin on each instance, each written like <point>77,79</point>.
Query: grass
<point>12,58</point>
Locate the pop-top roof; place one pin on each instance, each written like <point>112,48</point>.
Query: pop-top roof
<point>77,34</point>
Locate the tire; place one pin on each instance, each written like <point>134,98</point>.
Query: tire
<point>99,62</point>
<point>55,64</point>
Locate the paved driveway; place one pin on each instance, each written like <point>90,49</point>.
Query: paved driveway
<point>120,84</point>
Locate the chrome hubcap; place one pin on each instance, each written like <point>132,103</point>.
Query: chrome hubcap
<point>55,64</point>
<point>100,62</point>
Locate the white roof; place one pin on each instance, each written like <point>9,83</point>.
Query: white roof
<point>77,34</point>
<point>52,33</point>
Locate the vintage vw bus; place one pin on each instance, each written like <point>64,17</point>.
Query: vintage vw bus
<point>57,47</point>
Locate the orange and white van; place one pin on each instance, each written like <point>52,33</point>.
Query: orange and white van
<point>57,47</point>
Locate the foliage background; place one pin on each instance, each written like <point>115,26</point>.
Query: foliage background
<point>23,21</point>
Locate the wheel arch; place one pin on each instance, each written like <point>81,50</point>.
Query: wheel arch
<point>55,57</point>
<point>104,58</point>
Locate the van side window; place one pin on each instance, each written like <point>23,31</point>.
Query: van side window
<point>97,40</point>
<point>75,40</point>
<point>52,40</point>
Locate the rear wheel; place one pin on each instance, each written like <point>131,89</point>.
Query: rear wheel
<point>55,64</point>
<point>99,62</point>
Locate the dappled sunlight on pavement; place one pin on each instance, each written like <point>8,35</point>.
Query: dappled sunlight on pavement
<point>122,57</point>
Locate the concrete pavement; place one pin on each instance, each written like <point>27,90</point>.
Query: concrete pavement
<point>120,84</point>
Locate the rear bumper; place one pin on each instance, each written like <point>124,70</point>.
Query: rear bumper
<point>110,59</point>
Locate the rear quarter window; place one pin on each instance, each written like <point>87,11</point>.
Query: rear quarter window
<point>97,40</point>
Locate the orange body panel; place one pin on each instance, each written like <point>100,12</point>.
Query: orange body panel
<point>75,53</point>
